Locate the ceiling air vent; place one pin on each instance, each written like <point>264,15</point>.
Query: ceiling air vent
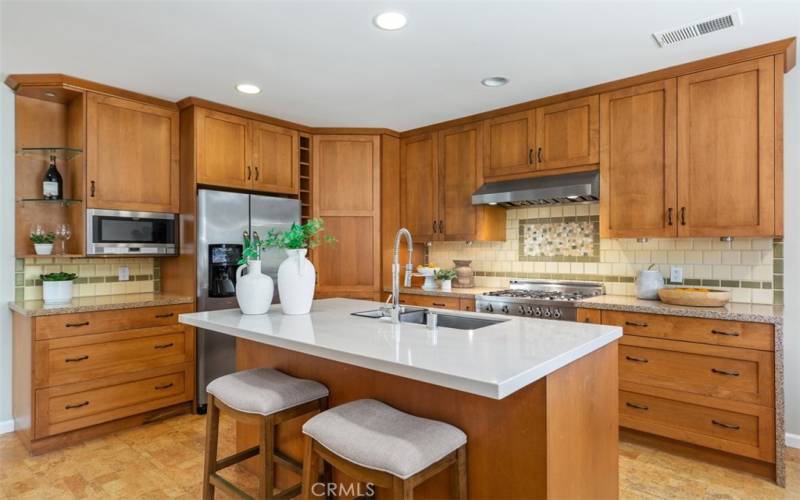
<point>700,28</point>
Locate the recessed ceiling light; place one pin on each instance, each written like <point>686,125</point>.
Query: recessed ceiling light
<point>248,88</point>
<point>390,21</point>
<point>494,81</point>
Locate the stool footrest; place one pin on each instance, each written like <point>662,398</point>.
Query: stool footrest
<point>286,460</point>
<point>220,482</point>
<point>236,458</point>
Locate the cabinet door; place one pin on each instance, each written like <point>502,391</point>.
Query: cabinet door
<point>567,134</point>
<point>638,173</point>
<point>726,151</point>
<point>459,164</point>
<point>275,158</point>
<point>132,155</point>
<point>346,177</point>
<point>508,144</point>
<point>419,186</point>
<point>223,150</point>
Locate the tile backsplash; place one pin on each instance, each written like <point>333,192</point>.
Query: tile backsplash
<point>96,276</point>
<point>752,268</point>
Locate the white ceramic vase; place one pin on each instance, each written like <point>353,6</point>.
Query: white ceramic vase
<point>43,248</point>
<point>57,292</point>
<point>296,281</point>
<point>253,290</point>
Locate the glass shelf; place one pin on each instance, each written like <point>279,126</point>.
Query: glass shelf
<point>45,153</point>
<point>41,201</point>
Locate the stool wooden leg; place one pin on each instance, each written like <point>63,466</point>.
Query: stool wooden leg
<point>459,474</point>
<point>310,466</point>
<point>212,434</point>
<point>266,458</point>
<point>402,489</point>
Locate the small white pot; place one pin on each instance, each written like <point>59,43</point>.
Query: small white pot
<point>253,290</point>
<point>296,281</point>
<point>43,248</point>
<point>446,285</point>
<point>57,292</point>
<point>648,283</point>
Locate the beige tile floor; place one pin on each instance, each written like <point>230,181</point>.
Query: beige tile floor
<point>164,460</point>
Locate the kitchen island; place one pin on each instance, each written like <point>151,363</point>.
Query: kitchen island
<point>537,399</point>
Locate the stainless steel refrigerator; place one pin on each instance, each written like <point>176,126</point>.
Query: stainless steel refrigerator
<point>222,220</point>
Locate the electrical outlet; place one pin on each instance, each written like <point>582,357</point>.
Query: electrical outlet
<point>676,274</point>
<point>123,273</point>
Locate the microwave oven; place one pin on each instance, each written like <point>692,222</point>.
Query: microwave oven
<point>116,232</point>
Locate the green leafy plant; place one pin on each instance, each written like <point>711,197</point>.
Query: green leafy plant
<point>251,250</point>
<point>445,274</point>
<point>58,276</point>
<point>43,238</point>
<point>298,236</point>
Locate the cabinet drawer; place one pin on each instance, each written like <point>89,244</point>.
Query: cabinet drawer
<point>720,372</point>
<point>67,325</point>
<point>65,408</point>
<point>467,305</point>
<point>745,434</point>
<point>87,357</point>
<point>430,301</point>
<point>707,331</point>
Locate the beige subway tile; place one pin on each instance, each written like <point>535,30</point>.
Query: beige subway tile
<point>539,267</point>
<point>590,268</point>
<point>750,258</point>
<point>69,268</point>
<point>102,288</point>
<point>721,272</point>
<point>86,271</point>
<point>542,212</point>
<point>701,244</point>
<point>103,270</point>
<point>642,256</point>
<point>683,244</point>
<point>762,243</point>
<point>675,257</point>
<point>742,244</point>
<point>563,268</point>
<point>556,211</point>
<point>594,209</point>
<point>741,295</point>
<point>621,269</point>
<point>32,293</point>
<point>551,267</point>
<point>731,257</point>
<point>605,269</point>
<point>33,272</point>
<point>609,256</point>
<point>666,244</point>
<point>88,289</point>
<point>118,288</point>
<point>576,268</point>
<point>658,256</point>
<point>762,296</point>
<point>762,273</point>
<point>582,210</point>
<point>721,245</point>
<point>693,257</point>
<point>712,257</point>
<point>703,271</point>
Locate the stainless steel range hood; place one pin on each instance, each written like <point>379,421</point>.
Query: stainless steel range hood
<point>552,190</point>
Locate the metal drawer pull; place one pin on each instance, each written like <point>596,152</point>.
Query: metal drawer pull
<point>163,346</point>
<point>76,405</point>
<point>75,325</point>
<point>727,334</point>
<point>636,323</point>
<point>637,360</point>
<point>164,386</point>
<point>165,315</point>
<point>723,372</point>
<point>75,360</point>
<point>637,406</point>
<point>438,304</point>
<point>725,426</point>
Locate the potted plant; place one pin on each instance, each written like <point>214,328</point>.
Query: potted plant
<point>57,287</point>
<point>43,242</point>
<point>445,278</point>
<point>254,290</point>
<point>296,274</point>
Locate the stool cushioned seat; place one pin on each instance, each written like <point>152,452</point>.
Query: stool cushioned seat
<point>264,391</point>
<point>374,435</point>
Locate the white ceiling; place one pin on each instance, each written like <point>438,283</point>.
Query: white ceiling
<point>325,64</point>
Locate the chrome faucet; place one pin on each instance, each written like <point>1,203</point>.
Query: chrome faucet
<point>395,310</point>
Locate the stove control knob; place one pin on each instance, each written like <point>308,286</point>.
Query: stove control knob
<point>556,313</point>
<point>489,308</point>
<point>505,309</point>
<point>547,312</point>
<point>521,310</point>
<point>537,312</point>
<point>529,310</point>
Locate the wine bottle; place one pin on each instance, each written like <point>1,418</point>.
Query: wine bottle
<point>53,184</point>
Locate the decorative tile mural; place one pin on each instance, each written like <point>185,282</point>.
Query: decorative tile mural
<point>565,239</point>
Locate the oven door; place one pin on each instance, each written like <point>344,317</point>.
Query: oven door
<point>114,232</point>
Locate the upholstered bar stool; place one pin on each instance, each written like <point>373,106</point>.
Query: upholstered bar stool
<point>372,442</point>
<point>264,398</point>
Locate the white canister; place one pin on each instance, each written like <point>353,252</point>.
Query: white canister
<point>296,281</point>
<point>648,283</point>
<point>57,292</point>
<point>253,290</point>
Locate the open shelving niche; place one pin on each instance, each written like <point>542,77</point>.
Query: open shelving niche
<point>49,121</point>
<point>305,178</point>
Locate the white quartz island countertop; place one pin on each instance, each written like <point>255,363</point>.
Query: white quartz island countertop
<point>493,361</point>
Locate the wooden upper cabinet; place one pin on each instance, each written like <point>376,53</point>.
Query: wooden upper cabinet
<point>509,144</point>
<point>460,174</point>
<point>132,155</point>
<point>222,149</point>
<point>567,134</point>
<point>638,161</point>
<point>275,159</point>
<point>419,202</point>
<point>726,151</point>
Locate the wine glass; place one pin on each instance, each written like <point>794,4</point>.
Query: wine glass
<point>38,230</point>
<point>63,232</point>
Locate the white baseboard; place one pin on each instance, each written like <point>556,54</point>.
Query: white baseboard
<point>8,426</point>
<point>793,440</point>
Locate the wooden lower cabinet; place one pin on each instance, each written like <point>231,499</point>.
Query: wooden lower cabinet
<point>709,383</point>
<point>435,301</point>
<point>124,368</point>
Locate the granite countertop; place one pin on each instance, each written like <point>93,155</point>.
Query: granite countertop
<point>493,361</point>
<point>98,303</point>
<point>461,293</point>
<point>756,313</point>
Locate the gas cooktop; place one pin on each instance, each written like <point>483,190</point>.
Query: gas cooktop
<point>539,298</point>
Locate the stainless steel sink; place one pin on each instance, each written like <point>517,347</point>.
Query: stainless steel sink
<point>458,322</point>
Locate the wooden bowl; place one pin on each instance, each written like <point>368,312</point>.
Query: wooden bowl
<point>695,297</point>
